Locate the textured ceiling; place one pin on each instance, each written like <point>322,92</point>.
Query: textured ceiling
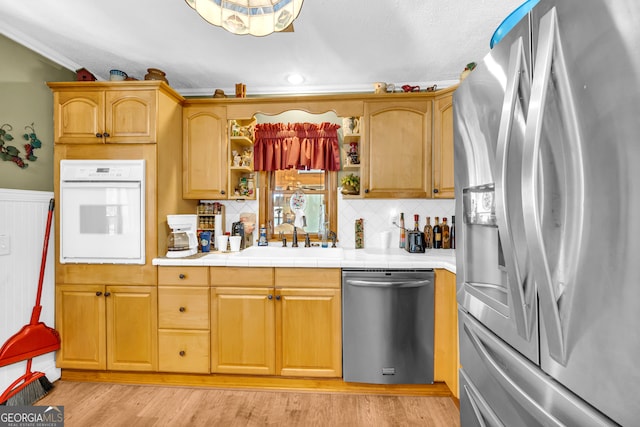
<point>337,45</point>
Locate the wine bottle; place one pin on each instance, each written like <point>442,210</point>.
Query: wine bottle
<point>453,232</point>
<point>446,242</point>
<point>402,231</point>
<point>428,234</point>
<point>437,234</point>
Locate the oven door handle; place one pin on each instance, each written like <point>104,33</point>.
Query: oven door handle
<point>389,284</point>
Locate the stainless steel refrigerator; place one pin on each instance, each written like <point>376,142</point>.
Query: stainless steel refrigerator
<point>547,172</point>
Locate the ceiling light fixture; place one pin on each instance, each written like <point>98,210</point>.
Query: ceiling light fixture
<point>255,17</point>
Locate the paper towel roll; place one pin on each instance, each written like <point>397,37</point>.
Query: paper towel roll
<point>217,225</point>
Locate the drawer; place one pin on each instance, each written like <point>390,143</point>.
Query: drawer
<point>189,276</point>
<point>183,351</point>
<point>242,276</point>
<point>183,307</point>
<point>308,277</point>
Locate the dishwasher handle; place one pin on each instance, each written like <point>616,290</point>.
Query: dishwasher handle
<point>389,284</point>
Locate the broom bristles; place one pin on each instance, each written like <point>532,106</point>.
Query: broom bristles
<point>31,393</point>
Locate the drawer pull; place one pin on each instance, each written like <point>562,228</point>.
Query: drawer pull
<point>98,293</point>
<point>182,353</point>
<point>107,294</point>
<point>181,276</point>
<point>182,309</point>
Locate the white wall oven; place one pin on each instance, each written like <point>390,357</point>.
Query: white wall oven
<point>102,211</point>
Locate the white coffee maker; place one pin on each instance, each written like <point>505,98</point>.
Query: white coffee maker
<point>182,240</point>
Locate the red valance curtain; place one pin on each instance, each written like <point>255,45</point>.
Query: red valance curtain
<point>280,146</point>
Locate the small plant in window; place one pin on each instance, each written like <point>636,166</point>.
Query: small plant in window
<point>350,184</point>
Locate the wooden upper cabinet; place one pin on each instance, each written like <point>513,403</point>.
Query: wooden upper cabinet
<point>102,115</point>
<point>204,152</point>
<point>131,116</point>
<point>397,149</point>
<point>443,181</point>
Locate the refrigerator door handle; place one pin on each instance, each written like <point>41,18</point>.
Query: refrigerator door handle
<point>481,409</point>
<point>517,78</point>
<point>549,54</point>
<point>509,384</point>
<point>530,387</point>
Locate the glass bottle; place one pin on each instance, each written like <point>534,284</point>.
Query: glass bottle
<point>437,234</point>
<point>416,221</point>
<point>402,231</point>
<point>446,242</point>
<point>428,234</point>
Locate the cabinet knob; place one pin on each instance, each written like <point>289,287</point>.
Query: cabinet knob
<point>107,294</point>
<point>366,190</point>
<point>98,293</point>
<point>435,190</point>
<point>98,135</point>
<point>181,276</point>
<point>182,353</point>
<point>270,296</point>
<point>106,135</point>
<point>223,192</point>
<point>278,297</point>
<point>182,309</point>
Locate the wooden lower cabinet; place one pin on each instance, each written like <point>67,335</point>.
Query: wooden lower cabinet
<point>183,320</point>
<point>275,322</point>
<point>242,331</point>
<point>446,354</point>
<point>107,327</point>
<point>309,332</point>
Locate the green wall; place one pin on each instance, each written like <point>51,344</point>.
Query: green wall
<point>25,99</point>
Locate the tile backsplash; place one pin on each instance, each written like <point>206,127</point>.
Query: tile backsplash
<point>375,212</point>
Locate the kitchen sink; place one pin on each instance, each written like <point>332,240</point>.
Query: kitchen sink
<point>299,252</point>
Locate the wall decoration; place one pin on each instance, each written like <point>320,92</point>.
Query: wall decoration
<point>11,152</point>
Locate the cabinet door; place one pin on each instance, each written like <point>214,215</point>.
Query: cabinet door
<point>204,153</point>
<point>132,328</point>
<point>80,320</point>
<point>443,185</point>
<point>242,331</point>
<point>397,149</point>
<point>78,117</point>
<point>309,332</point>
<point>130,116</point>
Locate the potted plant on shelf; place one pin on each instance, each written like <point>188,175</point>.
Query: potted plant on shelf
<point>350,184</point>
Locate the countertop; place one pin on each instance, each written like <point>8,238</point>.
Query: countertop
<point>272,256</point>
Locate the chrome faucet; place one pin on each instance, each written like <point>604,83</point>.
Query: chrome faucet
<point>283,238</point>
<point>294,244</point>
<point>307,241</point>
<point>333,238</point>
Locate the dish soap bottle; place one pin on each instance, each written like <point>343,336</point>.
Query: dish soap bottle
<point>262,240</point>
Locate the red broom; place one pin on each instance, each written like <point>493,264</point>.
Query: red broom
<point>32,340</point>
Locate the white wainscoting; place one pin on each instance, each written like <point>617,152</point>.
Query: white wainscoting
<point>23,219</point>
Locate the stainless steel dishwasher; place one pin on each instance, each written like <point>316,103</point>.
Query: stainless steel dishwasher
<point>387,326</point>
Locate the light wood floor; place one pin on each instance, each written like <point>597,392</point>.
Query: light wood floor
<point>104,404</point>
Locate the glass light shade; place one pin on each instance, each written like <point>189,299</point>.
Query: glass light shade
<point>255,17</point>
